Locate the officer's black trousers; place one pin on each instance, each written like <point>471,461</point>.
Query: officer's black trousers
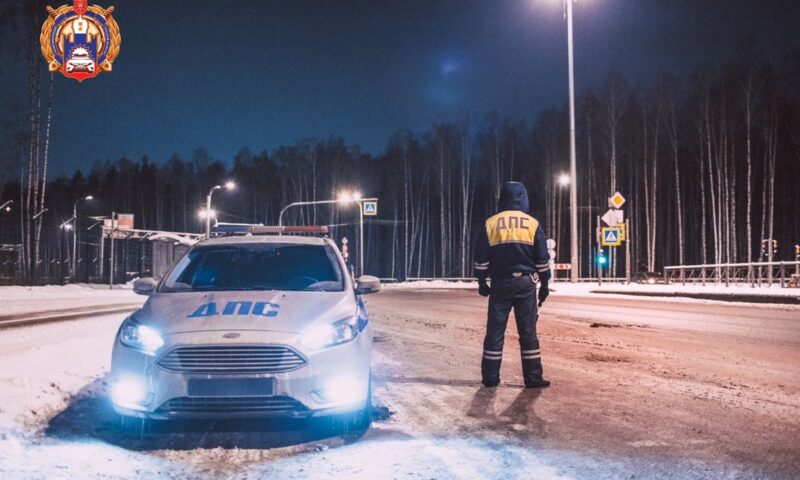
<point>519,293</point>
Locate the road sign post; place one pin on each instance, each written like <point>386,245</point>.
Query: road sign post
<point>598,252</point>
<point>627,241</point>
<point>551,252</point>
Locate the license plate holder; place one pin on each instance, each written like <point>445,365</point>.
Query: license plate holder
<point>231,387</point>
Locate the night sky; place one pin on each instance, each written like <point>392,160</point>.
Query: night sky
<point>227,74</point>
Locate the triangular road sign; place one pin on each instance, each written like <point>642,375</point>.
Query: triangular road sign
<point>611,236</point>
<point>370,208</point>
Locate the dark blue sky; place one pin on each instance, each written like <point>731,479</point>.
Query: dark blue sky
<point>225,74</point>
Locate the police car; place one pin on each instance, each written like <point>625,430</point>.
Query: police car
<point>249,326</point>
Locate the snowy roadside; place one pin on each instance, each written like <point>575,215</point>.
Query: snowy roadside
<point>643,292</point>
<point>20,300</point>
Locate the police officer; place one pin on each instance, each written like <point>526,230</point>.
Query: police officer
<point>511,248</point>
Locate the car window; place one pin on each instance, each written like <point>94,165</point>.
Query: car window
<point>256,267</point>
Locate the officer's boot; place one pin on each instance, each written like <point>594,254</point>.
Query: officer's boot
<point>490,368</point>
<point>532,369</point>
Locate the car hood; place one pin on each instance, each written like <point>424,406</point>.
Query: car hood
<point>291,312</point>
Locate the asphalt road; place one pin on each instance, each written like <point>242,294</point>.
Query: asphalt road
<point>641,389</point>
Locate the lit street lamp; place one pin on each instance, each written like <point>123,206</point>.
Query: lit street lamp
<point>75,233</point>
<point>563,180</point>
<point>6,206</point>
<point>229,185</point>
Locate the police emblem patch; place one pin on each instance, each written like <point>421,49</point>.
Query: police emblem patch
<point>80,40</point>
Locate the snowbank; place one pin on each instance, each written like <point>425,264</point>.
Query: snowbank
<point>743,295</point>
<point>17,300</point>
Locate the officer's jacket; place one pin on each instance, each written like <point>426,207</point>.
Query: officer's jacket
<point>512,241</point>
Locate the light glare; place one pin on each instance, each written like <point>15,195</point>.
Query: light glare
<point>202,213</point>
<point>344,389</point>
<point>129,392</point>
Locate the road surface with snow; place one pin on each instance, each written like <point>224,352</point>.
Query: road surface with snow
<point>642,388</point>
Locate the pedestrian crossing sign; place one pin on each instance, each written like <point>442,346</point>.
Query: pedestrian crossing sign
<point>611,236</point>
<point>370,208</point>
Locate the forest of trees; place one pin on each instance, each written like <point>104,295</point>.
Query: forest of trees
<point>709,166</point>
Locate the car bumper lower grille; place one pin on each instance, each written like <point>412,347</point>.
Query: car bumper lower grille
<point>233,359</point>
<point>232,406</point>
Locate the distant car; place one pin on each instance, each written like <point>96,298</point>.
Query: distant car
<point>650,278</point>
<point>249,326</point>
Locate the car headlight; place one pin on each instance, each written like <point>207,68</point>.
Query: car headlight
<point>322,336</point>
<point>140,337</point>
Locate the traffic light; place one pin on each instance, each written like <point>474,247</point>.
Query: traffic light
<point>601,259</point>
<point>797,249</point>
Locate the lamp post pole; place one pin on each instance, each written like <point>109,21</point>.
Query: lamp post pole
<point>573,188</point>
<point>208,209</point>
<point>229,185</point>
<point>74,258</point>
<point>298,204</point>
<point>360,238</point>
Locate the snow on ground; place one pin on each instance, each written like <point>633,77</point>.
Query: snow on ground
<point>701,413</point>
<point>584,288</point>
<point>621,290</point>
<point>18,300</point>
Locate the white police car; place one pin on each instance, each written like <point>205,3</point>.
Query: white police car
<point>248,326</point>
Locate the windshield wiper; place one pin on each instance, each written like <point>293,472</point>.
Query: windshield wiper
<point>260,287</point>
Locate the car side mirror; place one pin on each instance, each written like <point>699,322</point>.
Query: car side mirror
<point>367,284</point>
<point>144,286</point>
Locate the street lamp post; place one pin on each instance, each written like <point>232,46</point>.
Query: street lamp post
<point>75,234</point>
<point>342,198</point>
<point>573,191</point>
<point>300,204</point>
<point>63,228</point>
<point>228,186</point>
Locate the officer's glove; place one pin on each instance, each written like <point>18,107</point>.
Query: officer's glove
<point>483,288</point>
<point>544,292</point>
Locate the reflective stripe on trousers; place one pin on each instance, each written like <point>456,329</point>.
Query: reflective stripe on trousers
<point>518,293</point>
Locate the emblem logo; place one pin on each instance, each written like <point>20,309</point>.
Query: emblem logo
<point>231,335</point>
<point>80,41</point>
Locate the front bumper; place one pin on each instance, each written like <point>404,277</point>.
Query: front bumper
<point>300,393</point>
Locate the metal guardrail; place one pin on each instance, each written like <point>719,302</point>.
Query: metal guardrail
<point>756,274</point>
<point>473,279</point>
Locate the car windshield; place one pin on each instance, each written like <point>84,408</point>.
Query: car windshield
<point>267,266</point>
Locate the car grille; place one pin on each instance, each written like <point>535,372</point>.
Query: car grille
<point>232,405</point>
<point>232,359</point>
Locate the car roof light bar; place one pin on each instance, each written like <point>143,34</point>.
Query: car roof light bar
<point>261,229</point>
<point>274,229</point>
